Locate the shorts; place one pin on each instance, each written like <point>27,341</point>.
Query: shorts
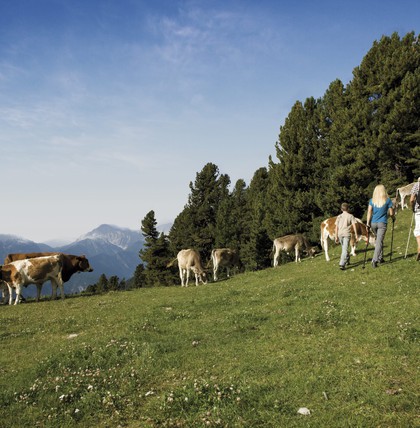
<point>417,226</point>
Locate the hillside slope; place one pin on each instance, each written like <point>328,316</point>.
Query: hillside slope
<point>245,352</point>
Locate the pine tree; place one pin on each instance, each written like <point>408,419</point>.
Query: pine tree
<point>231,216</point>
<point>385,106</point>
<point>195,226</point>
<point>256,244</point>
<point>293,181</point>
<point>155,253</point>
<point>139,278</point>
<point>102,284</point>
<point>113,283</point>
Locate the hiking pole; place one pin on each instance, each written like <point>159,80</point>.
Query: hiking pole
<point>367,244</point>
<point>409,234</point>
<point>392,238</point>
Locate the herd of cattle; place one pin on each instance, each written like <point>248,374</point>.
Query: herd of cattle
<point>189,260</point>
<point>22,269</point>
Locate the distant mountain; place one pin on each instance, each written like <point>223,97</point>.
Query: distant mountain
<point>121,237</point>
<point>16,244</point>
<point>111,250</point>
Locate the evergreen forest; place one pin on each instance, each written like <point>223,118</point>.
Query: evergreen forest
<point>330,150</point>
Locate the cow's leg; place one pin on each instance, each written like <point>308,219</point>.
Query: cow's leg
<point>18,291</point>
<point>325,245</point>
<point>227,271</point>
<point>5,293</point>
<point>53,290</point>
<point>188,277</point>
<point>59,283</point>
<point>10,294</point>
<point>352,245</point>
<point>38,292</point>
<point>215,267</point>
<point>276,257</point>
<point>297,254</point>
<point>181,276</point>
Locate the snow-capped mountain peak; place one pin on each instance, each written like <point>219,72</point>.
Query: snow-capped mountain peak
<point>118,236</point>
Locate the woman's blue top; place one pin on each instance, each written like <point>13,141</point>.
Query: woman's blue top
<point>380,214</point>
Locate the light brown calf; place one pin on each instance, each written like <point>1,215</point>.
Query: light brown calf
<point>189,260</point>
<point>224,257</point>
<point>298,243</point>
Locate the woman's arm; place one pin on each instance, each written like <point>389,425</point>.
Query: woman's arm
<point>369,216</point>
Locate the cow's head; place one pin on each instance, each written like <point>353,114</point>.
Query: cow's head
<point>312,251</point>
<point>201,274</point>
<point>83,264</point>
<point>372,239</point>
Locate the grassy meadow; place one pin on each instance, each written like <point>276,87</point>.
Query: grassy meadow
<point>245,352</point>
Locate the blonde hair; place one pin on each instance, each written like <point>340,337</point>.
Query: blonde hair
<point>379,196</point>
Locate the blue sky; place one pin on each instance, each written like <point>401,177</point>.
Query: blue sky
<point>108,109</point>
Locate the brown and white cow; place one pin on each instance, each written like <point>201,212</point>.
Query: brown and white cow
<point>224,257</point>
<point>32,271</point>
<point>189,260</point>
<point>404,192</point>
<point>328,231</point>
<point>287,243</point>
<point>71,264</point>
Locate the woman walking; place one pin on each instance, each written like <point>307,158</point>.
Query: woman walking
<point>379,209</point>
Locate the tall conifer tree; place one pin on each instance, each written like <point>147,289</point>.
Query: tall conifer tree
<point>155,253</point>
<point>195,226</point>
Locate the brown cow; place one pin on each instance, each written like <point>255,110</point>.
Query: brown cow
<point>328,231</point>
<point>224,257</point>
<point>189,260</point>
<point>70,265</point>
<point>289,242</point>
<point>32,271</point>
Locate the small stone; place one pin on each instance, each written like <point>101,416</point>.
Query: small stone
<point>304,411</point>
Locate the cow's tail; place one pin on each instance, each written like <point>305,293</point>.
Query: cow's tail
<point>211,260</point>
<point>172,262</point>
<point>273,249</point>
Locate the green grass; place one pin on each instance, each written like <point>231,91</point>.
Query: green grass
<point>247,352</point>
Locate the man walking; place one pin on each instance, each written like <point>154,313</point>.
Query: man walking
<point>345,221</point>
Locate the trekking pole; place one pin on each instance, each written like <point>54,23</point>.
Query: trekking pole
<point>409,234</point>
<point>392,238</point>
<point>367,244</point>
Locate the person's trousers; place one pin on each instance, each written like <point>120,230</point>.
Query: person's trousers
<point>379,229</point>
<point>344,241</point>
